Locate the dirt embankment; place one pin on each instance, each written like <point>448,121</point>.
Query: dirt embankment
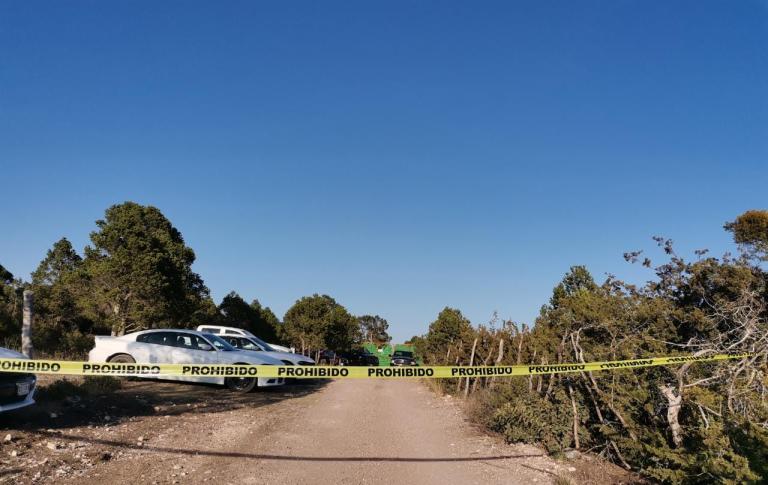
<point>362,431</point>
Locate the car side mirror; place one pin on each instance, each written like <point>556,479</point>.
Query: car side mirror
<point>205,347</point>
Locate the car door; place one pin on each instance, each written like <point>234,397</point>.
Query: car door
<point>193,349</point>
<point>157,346</point>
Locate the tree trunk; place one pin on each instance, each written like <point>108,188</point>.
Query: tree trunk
<point>458,385</point>
<point>26,327</point>
<point>575,410</point>
<point>499,358</point>
<point>471,363</point>
<point>477,380</point>
<point>530,377</point>
<point>674,402</point>
<point>520,347</point>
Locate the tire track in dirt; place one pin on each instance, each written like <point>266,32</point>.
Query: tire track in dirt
<point>346,431</point>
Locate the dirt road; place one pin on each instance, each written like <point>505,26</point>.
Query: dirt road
<point>363,431</point>
<point>383,431</point>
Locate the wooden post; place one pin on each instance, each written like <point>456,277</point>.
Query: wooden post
<point>499,358</point>
<point>458,385</point>
<point>478,379</point>
<point>26,327</point>
<point>575,411</point>
<point>471,363</point>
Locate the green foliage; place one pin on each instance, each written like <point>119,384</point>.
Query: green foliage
<point>450,328</point>
<point>578,279</point>
<point>751,230</point>
<point>715,434</point>
<point>525,417</point>
<point>60,327</point>
<point>373,328</point>
<point>10,305</point>
<point>139,271</point>
<point>235,312</point>
<point>318,321</point>
<point>6,277</point>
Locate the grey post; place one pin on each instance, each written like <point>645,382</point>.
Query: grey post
<point>26,327</point>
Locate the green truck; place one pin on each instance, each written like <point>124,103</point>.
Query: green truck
<point>384,353</point>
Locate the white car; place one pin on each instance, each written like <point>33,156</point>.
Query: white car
<point>17,389</point>
<point>172,346</point>
<point>245,340</point>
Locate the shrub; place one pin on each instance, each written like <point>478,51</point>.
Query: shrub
<point>524,417</point>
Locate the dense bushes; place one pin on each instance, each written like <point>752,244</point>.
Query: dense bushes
<point>693,423</point>
<point>524,417</point>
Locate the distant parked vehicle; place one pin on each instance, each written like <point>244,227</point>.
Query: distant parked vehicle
<point>170,346</point>
<point>221,330</point>
<point>17,390</point>
<point>327,357</point>
<point>359,357</point>
<point>253,344</point>
<point>402,358</point>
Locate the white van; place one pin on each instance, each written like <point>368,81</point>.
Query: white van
<point>245,340</point>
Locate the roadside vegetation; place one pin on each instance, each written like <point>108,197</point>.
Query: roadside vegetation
<point>694,423</point>
<point>137,274</point>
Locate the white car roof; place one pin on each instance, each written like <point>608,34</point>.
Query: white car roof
<point>222,328</point>
<point>155,330</point>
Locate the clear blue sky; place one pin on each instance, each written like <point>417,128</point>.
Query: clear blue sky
<point>399,156</point>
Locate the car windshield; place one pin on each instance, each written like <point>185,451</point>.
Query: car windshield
<point>219,342</point>
<point>402,353</point>
<point>263,344</point>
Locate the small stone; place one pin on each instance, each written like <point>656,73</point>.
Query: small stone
<point>107,418</point>
<point>571,468</point>
<point>140,438</point>
<point>571,454</point>
<point>53,415</point>
<point>8,438</point>
<point>51,445</point>
<point>177,467</point>
<point>14,453</point>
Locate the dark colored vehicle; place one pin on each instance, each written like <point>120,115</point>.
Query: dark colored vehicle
<point>327,357</point>
<point>402,358</point>
<point>16,390</point>
<point>359,357</point>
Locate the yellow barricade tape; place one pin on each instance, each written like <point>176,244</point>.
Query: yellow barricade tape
<point>62,367</point>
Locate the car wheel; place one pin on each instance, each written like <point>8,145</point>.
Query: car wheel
<point>122,359</point>
<point>240,384</point>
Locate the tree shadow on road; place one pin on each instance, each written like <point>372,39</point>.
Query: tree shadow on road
<point>141,398</point>
<point>288,458</point>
